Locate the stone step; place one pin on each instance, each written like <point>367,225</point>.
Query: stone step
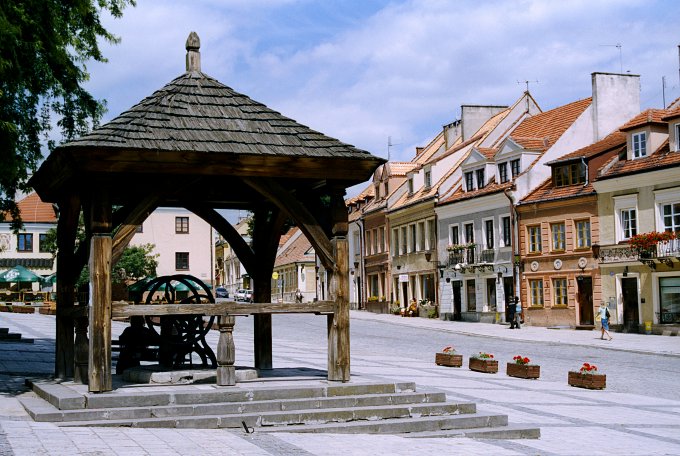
<point>41,410</point>
<point>4,331</point>
<point>400,425</point>
<point>65,398</point>
<point>500,432</point>
<point>14,338</point>
<point>358,419</point>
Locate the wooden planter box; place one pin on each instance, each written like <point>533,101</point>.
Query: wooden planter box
<point>523,370</point>
<point>17,309</point>
<point>488,366</point>
<point>445,359</point>
<point>590,381</point>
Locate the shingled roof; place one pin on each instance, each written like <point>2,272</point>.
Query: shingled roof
<point>196,125</point>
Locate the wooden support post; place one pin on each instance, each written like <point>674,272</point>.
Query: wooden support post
<point>99,372</point>
<point>338,323</point>
<point>81,351</point>
<point>226,352</point>
<point>66,236</point>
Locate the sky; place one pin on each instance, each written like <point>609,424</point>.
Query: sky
<point>377,72</point>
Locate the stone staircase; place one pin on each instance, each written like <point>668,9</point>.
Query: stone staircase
<point>6,336</point>
<point>366,408</point>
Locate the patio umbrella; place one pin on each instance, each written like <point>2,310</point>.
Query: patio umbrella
<point>19,274</point>
<point>139,285</point>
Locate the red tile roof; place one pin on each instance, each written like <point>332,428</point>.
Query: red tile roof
<point>614,140</point>
<point>34,210</point>
<point>460,195</point>
<point>547,192</point>
<point>488,152</point>
<point>661,158</point>
<point>645,117</point>
<point>541,131</point>
<point>296,252</point>
<point>671,114</point>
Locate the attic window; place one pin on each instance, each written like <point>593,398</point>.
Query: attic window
<point>677,137</point>
<point>377,191</point>
<point>410,185</point>
<point>571,174</point>
<point>480,178</point>
<point>503,172</point>
<point>428,179</point>
<point>514,167</point>
<point>639,145</point>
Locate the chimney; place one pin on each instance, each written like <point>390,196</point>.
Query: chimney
<point>193,55</point>
<point>616,99</point>
<point>473,117</point>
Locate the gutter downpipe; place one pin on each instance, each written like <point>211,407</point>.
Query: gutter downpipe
<point>513,247</point>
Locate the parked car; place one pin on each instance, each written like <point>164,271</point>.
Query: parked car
<point>221,292</point>
<point>249,296</point>
<point>243,295</point>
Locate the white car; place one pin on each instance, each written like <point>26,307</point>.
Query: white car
<point>243,295</point>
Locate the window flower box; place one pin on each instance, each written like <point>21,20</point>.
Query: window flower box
<point>483,362</point>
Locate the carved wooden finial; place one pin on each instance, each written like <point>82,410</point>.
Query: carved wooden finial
<point>193,55</point>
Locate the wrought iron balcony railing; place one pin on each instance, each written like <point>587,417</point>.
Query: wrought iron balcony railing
<point>663,252</point>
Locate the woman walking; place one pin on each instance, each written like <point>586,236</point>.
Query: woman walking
<point>604,320</point>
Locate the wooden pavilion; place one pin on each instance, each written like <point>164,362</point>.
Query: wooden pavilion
<point>198,144</point>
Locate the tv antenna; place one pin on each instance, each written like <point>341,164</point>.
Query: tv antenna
<point>527,83</point>
<point>618,46</point>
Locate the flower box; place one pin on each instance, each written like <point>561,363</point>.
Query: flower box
<point>448,359</point>
<point>589,381</point>
<point>488,366</point>
<point>523,370</point>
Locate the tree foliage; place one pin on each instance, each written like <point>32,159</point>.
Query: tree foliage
<point>137,262</point>
<point>44,45</point>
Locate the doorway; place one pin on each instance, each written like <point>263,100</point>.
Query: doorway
<point>508,286</point>
<point>491,294</point>
<point>457,285</point>
<point>585,300</point>
<point>631,316</point>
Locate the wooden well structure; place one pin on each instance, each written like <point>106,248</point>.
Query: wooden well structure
<point>198,144</point>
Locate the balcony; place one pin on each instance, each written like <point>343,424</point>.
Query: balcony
<point>470,257</point>
<point>663,252</point>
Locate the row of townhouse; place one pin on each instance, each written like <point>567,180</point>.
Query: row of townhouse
<point>514,203</point>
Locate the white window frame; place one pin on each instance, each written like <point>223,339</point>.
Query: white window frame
<point>677,136</point>
<point>403,237</point>
<point>412,237</point>
<point>451,240</point>
<point>504,165</point>
<point>410,185</point>
<point>395,242</point>
<point>420,236</point>
<point>624,203</point>
<point>484,233</point>
<point>430,234</point>
<point>638,145</point>
<point>661,198</point>
<point>428,178</point>
<point>471,181</point>
<point>588,240</point>
<point>501,238</point>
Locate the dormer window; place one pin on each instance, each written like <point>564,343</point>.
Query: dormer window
<point>410,185</point>
<point>469,181</point>
<point>514,167</point>
<point>639,145</point>
<point>377,191</point>
<point>385,189</point>
<point>677,137</point>
<point>428,179</point>
<point>480,177</point>
<point>571,174</point>
<point>503,172</point>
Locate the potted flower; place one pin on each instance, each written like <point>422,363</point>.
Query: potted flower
<point>483,362</point>
<point>645,243</point>
<point>587,377</point>
<point>448,357</point>
<point>520,367</point>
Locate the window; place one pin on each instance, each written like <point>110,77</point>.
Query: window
<point>558,236</point>
<point>469,233</point>
<point>471,293</point>
<point>421,236</point>
<point>404,241</point>
<point>428,179</point>
<point>503,172</point>
<point>488,233</point>
<point>381,239</point>
<point>395,242</point>
<point>480,178</point>
<point>572,174</point>
<point>42,240</point>
<point>25,242</point>
<point>140,228</point>
<point>182,225</point>
<point>582,234</point>
<point>639,145</point>
<point>377,191</point>
<point>412,238</point>
<point>410,185</point>
<point>536,292</point>
<point>628,223</point>
<point>432,234</point>
<point>560,292</point>
<point>671,217</point>
<point>514,167</point>
<point>368,243</point>
<point>677,137</point>
<point>469,181</point>
<point>669,302</point>
<point>182,261</point>
<point>507,234</point>
<point>455,236</point>
<point>385,189</point>
<point>535,239</point>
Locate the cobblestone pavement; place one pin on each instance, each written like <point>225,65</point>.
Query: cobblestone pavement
<point>573,421</point>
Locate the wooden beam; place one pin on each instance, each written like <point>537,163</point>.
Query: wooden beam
<point>67,227</point>
<point>99,360</point>
<point>306,221</point>
<point>125,309</point>
<point>128,227</point>
<point>236,242</point>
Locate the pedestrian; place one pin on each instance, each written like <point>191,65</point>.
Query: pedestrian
<point>518,311</point>
<point>604,315</point>
<point>511,313</point>
<point>298,296</point>
<point>134,343</point>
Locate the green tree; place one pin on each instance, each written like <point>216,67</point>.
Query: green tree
<point>44,45</point>
<point>137,261</point>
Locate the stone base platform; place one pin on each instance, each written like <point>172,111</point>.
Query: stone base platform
<point>159,375</point>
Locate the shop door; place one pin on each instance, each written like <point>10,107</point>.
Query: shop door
<point>631,317</point>
<point>491,294</point>
<point>456,300</point>
<point>585,300</point>
<point>509,296</point>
